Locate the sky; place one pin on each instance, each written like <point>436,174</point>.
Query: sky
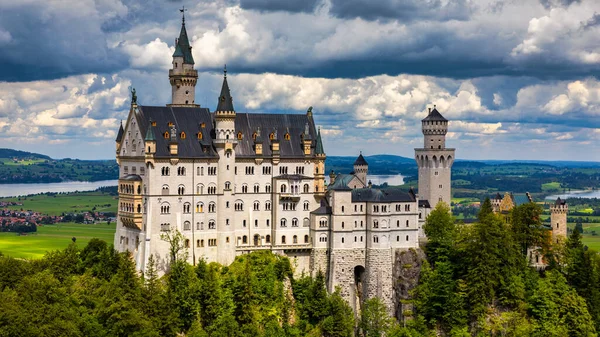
<point>518,79</point>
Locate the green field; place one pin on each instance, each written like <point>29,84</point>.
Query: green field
<point>53,237</point>
<point>67,203</point>
<point>553,186</point>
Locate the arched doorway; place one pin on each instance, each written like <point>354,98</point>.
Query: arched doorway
<point>256,240</point>
<point>359,276</point>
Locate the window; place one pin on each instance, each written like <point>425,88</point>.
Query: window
<point>305,238</point>
<point>244,239</point>
<point>283,188</point>
<point>199,207</point>
<point>256,206</point>
<point>181,190</point>
<point>244,188</point>
<point>240,135</point>
<point>227,185</point>
<point>266,170</point>
<point>283,170</point>
<point>256,188</point>
<point>198,243</point>
<point>322,223</point>
<point>165,209</point>
<point>407,208</point>
<point>375,224</point>
<point>249,170</point>
<point>342,225</point>
<point>295,239</point>
<point>323,238</point>
<point>267,206</point>
<point>164,171</point>
<point>306,205</point>
<point>212,207</point>
<point>375,239</point>
<point>398,223</point>
<point>212,224</point>
<point>201,243</point>
<point>212,189</point>
<point>342,240</point>
<point>268,238</point>
<point>407,238</point>
<point>268,188</point>
<point>283,239</point>
<point>294,222</point>
<point>238,206</point>
<point>212,242</point>
<point>306,188</point>
<point>181,171</point>
<point>186,207</point>
<point>342,209</point>
<point>165,227</point>
<point>255,222</point>
<point>282,223</point>
<point>212,171</point>
<point>187,243</point>
<point>244,223</point>
<point>407,223</point>
<point>187,226</point>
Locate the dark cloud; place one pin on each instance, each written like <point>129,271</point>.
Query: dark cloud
<point>558,3</point>
<point>306,6</point>
<point>402,10</point>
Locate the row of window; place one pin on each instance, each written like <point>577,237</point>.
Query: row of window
<point>380,208</point>
<point>213,189</point>
<point>129,189</point>
<point>127,207</point>
<point>211,170</point>
<point>133,170</point>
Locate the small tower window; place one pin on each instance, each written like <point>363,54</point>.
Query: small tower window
<point>200,135</point>
<point>182,135</point>
<point>240,135</point>
<point>166,135</point>
<point>175,64</point>
<point>286,136</point>
<point>187,92</point>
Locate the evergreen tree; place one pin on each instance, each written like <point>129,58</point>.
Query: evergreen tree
<point>339,321</point>
<point>441,232</point>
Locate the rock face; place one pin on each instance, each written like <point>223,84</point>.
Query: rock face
<point>406,271</point>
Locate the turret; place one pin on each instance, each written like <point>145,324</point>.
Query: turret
<point>319,167</point>
<point>558,220</point>
<point>173,144</point>
<point>150,140</point>
<point>183,76</point>
<point>361,169</point>
<point>119,137</point>
<point>434,128</point>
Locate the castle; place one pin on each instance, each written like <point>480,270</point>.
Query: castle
<point>234,183</point>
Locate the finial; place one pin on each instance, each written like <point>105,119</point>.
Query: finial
<point>360,153</point>
<point>133,96</point>
<point>183,10</point>
<point>225,70</point>
<point>434,106</point>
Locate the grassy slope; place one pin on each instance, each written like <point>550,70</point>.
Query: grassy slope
<point>67,203</point>
<point>53,237</point>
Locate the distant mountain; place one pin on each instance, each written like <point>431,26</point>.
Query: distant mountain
<point>10,153</point>
<point>378,164</point>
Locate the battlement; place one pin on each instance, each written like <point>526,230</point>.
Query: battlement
<point>564,208</point>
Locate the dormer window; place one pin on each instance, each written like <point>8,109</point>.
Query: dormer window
<point>200,135</point>
<point>153,123</point>
<point>271,136</point>
<point>170,124</point>
<point>182,135</point>
<point>240,135</point>
<point>166,135</point>
<point>254,136</point>
<point>203,125</point>
<point>286,136</point>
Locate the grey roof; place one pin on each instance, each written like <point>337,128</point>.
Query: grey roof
<point>559,201</point>
<point>341,182</point>
<point>520,199</point>
<point>319,146</point>
<point>120,134</point>
<point>185,119</point>
<point>360,161</point>
<point>190,120</point>
<point>225,99</point>
<point>182,47</point>
<point>434,115</point>
<point>424,204</point>
<point>381,195</point>
<point>132,177</point>
<point>248,123</point>
<point>292,177</point>
<point>324,209</point>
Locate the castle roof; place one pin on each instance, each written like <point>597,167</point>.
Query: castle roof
<point>120,134</point>
<point>319,146</point>
<point>324,209</point>
<point>225,99</point>
<point>132,177</point>
<point>190,120</point>
<point>559,201</point>
<point>360,161</point>
<point>341,182</point>
<point>150,136</point>
<point>381,195</point>
<point>434,115</point>
<point>182,46</point>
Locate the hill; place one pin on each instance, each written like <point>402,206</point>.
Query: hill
<point>21,155</point>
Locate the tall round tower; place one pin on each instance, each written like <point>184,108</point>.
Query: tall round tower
<point>558,220</point>
<point>183,76</point>
<point>434,160</point>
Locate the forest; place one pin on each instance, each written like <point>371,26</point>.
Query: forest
<point>475,281</point>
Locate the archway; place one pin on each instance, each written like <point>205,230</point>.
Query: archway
<point>359,277</point>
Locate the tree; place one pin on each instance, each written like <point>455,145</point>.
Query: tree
<point>177,249</point>
<point>441,232</point>
<point>527,227</point>
<point>485,210</point>
<point>339,321</point>
<point>374,319</point>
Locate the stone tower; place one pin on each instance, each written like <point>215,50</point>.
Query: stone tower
<point>225,142</point>
<point>434,160</point>
<point>361,169</point>
<point>558,220</point>
<point>183,76</point>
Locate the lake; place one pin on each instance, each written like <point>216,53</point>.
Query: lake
<point>575,194</point>
<point>14,190</point>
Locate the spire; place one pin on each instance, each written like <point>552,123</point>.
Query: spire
<point>360,161</point>
<point>319,145</point>
<point>182,44</point>
<point>225,99</point>
<point>150,133</point>
<point>120,133</point>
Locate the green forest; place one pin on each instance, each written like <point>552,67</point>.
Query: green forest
<point>476,281</point>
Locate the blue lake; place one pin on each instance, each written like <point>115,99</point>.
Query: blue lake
<point>14,190</point>
<point>575,194</point>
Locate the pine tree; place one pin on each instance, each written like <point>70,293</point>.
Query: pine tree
<point>441,233</point>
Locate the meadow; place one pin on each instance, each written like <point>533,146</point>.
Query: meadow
<point>53,237</point>
<point>56,204</point>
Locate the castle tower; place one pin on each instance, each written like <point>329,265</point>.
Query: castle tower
<point>434,160</point>
<point>558,220</point>
<point>361,169</point>
<point>319,167</point>
<point>225,143</point>
<point>183,76</point>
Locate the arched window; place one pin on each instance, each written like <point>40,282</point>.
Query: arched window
<point>256,205</point>
<point>294,222</point>
<point>200,207</point>
<point>181,190</point>
<point>267,206</point>
<point>139,208</point>
<point>165,190</point>
<point>283,223</point>
<point>240,135</point>
<point>306,188</point>
<point>212,207</point>
<point>187,226</point>
<point>166,135</point>
<point>244,239</point>
<point>286,136</point>
<point>407,223</point>
<point>283,188</point>
<point>295,239</point>
<point>305,238</point>
<point>186,207</point>
<point>227,185</point>
<point>182,135</point>
<point>212,224</point>
<point>283,239</point>
<point>375,239</point>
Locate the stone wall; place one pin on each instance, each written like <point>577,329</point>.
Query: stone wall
<point>406,271</point>
<point>378,280</point>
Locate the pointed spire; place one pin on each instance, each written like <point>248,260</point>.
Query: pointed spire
<point>182,44</point>
<point>225,99</point>
<point>150,133</point>
<point>360,161</point>
<point>120,133</point>
<point>319,145</point>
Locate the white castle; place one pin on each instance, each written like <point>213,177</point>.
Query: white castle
<point>235,183</point>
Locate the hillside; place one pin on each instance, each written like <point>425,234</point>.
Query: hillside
<point>25,167</point>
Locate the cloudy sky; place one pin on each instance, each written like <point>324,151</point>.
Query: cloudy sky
<point>518,79</point>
